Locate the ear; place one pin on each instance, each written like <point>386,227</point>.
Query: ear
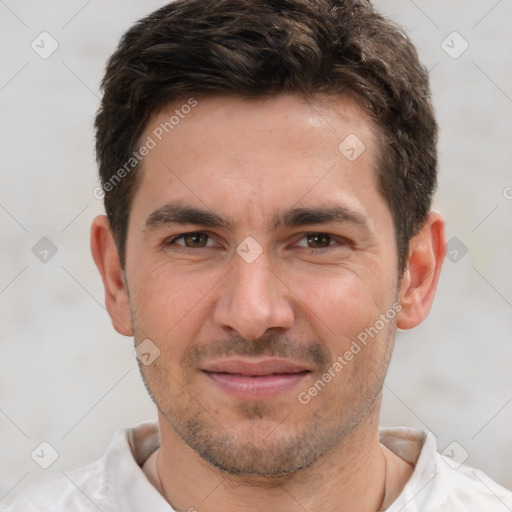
<point>419,281</point>
<point>105,256</point>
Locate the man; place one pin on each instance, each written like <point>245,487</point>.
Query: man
<point>267,169</point>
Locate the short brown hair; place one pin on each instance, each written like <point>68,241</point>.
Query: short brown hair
<point>257,48</point>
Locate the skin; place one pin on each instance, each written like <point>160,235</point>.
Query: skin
<point>304,299</point>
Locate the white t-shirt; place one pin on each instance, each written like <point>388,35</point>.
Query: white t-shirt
<point>117,483</point>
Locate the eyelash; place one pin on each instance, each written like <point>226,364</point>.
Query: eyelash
<point>182,248</point>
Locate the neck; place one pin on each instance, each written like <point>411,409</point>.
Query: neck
<point>351,476</point>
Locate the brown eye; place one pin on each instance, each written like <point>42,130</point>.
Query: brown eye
<point>318,240</point>
<point>194,240</point>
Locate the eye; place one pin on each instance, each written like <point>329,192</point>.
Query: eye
<point>194,240</point>
<point>316,241</point>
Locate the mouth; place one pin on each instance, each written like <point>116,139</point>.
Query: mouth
<point>255,378</point>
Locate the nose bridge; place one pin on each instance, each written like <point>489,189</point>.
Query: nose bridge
<point>254,282</point>
<point>254,299</point>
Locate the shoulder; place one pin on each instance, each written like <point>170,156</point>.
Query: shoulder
<point>77,490</point>
<point>465,488</point>
<point>441,483</point>
<point>105,484</point>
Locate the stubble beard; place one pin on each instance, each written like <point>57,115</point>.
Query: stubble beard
<point>279,452</point>
<point>258,450</point>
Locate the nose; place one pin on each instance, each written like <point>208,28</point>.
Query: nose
<point>253,299</point>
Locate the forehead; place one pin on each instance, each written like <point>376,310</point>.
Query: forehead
<point>225,153</point>
<point>290,116</point>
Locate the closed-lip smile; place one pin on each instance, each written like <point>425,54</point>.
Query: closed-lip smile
<point>255,377</point>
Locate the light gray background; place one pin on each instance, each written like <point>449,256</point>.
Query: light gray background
<point>69,379</point>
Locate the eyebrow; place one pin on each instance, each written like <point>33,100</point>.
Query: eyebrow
<point>174,213</point>
<point>295,217</point>
<point>171,213</point>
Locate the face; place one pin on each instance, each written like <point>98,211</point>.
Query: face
<point>259,257</point>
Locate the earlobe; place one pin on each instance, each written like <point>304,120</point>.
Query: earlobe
<point>419,282</point>
<point>106,257</point>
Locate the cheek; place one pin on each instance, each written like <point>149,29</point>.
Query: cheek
<point>169,303</point>
<point>340,301</point>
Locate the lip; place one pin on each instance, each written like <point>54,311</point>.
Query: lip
<point>255,366</point>
<point>255,378</point>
